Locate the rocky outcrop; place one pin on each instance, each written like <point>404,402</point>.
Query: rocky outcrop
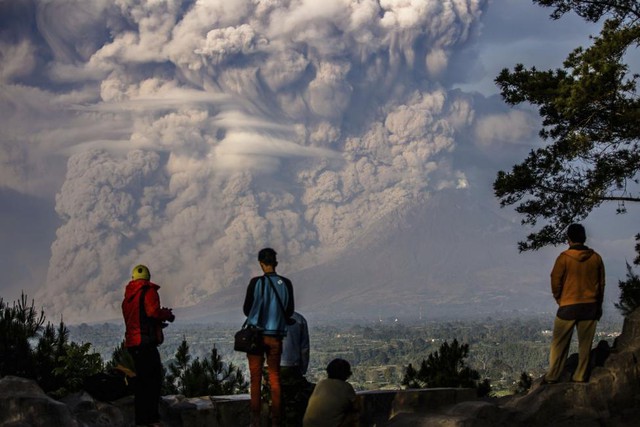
<point>610,398</point>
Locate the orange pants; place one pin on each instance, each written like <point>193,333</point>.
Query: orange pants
<point>273,351</point>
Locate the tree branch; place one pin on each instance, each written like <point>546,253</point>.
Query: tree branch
<point>576,193</point>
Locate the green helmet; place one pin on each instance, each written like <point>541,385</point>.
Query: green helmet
<point>140,272</point>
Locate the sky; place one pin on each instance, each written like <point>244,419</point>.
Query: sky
<point>188,134</point>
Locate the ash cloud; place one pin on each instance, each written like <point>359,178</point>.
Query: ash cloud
<point>195,133</point>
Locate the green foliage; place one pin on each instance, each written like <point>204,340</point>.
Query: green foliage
<point>629,293</point>
<point>49,350</point>
<point>208,377</point>
<point>445,368</point>
<point>593,10</point>
<point>591,116</point>
<point>59,366</point>
<point>121,357</point>
<point>73,366</point>
<point>178,370</point>
<point>524,383</point>
<point>19,324</point>
<point>630,288</point>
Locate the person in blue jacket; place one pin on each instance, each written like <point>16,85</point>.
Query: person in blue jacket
<point>268,305</point>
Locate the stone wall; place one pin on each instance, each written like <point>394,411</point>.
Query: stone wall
<point>23,403</point>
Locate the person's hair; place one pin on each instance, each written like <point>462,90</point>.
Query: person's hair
<point>339,369</point>
<point>267,256</point>
<point>576,233</point>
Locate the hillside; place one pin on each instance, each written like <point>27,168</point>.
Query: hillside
<point>432,261</point>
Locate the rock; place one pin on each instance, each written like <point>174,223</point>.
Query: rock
<point>23,403</point>
<point>89,412</point>
<point>629,338</point>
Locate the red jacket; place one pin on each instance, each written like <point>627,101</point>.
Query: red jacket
<point>143,321</point>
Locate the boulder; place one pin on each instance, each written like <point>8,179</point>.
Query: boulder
<point>89,412</point>
<point>23,403</point>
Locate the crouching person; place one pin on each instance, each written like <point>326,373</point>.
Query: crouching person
<point>144,319</point>
<point>333,401</point>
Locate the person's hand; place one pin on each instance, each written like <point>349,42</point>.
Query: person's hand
<point>167,314</point>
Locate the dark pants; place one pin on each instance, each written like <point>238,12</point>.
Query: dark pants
<point>148,383</point>
<point>296,391</point>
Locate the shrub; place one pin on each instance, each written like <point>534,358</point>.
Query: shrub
<point>524,383</point>
<point>446,368</point>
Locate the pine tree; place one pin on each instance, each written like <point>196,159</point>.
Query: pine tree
<point>227,378</point>
<point>19,324</point>
<point>62,365</point>
<point>410,379</point>
<point>629,293</point>
<point>591,118</point>
<point>208,377</point>
<point>445,368</point>
<point>630,288</point>
<point>59,366</point>
<point>174,379</point>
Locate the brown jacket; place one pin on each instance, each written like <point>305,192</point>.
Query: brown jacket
<point>578,277</point>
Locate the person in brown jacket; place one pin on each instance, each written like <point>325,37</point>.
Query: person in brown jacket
<point>577,284</point>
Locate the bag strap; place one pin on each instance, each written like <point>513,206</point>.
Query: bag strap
<point>284,312</point>
<point>261,305</point>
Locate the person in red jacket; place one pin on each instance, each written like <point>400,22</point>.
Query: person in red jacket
<point>577,284</point>
<point>144,320</point>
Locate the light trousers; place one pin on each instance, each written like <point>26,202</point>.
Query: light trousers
<point>562,332</point>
